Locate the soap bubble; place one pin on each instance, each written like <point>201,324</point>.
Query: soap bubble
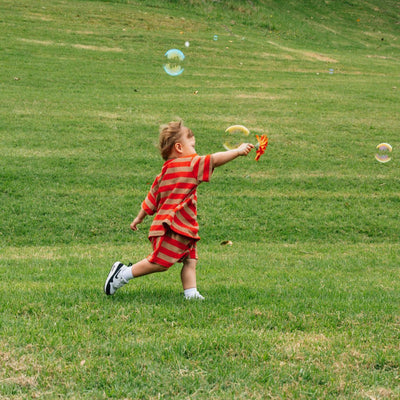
<point>234,136</point>
<point>187,44</point>
<point>173,63</point>
<point>215,38</point>
<point>383,152</point>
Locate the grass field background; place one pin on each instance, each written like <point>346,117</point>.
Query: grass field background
<point>304,304</point>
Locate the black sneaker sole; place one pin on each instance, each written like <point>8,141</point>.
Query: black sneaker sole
<point>114,270</point>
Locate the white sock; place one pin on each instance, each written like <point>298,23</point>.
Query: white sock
<point>190,292</point>
<point>127,273</point>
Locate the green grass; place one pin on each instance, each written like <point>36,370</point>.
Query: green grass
<point>304,304</point>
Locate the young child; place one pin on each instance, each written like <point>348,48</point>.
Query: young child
<point>173,200</point>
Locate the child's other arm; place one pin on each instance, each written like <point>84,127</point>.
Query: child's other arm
<point>138,220</point>
<point>148,206</point>
<point>225,156</point>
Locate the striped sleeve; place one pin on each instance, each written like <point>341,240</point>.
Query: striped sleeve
<point>149,204</point>
<point>202,168</point>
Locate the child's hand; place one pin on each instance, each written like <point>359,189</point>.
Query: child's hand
<point>135,223</point>
<point>138,220</point>
<point>245,149</point>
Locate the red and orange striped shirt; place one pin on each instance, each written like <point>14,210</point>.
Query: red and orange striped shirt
<point>173,196</point>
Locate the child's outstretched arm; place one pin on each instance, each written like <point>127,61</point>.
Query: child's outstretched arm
<point>223,157</point>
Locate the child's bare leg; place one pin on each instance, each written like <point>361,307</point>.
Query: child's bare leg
<point>188,277</point>
<point>188,273</point>
<point>145,267</point>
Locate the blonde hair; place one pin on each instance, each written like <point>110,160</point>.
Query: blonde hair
<point>169,135</point>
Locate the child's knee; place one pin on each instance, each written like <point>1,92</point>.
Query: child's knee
<point>190,263</point>
<point>161,268</point>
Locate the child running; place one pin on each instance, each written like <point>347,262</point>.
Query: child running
<point>173,200</point>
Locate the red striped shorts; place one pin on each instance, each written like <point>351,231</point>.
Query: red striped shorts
<point>172,248</point>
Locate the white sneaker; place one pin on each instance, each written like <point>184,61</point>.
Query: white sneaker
<point>114,279</point>
<point>194,296</point>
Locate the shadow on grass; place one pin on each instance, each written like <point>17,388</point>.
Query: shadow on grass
<point>146,296</point>
<point>236,296</point>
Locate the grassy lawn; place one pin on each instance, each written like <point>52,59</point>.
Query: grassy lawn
<point>304,304</point>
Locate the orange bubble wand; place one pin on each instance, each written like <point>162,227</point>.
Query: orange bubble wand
<point>261,146</point>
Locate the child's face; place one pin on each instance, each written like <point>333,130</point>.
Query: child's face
<point>187,142</point>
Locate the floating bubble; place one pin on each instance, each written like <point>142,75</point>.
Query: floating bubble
<point>331,70</point>
<point>215,38</point>
<point>235,135</point>
<point>173,63</point>
<point>187,44</point>
<point>383,152</point>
